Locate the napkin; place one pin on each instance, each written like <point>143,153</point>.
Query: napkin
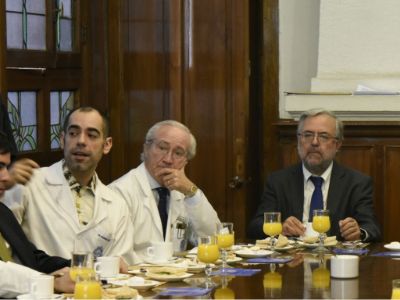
<point>350,251</point>
<point>236,272</point>
<point>268,260</point>
<point>184,291</point>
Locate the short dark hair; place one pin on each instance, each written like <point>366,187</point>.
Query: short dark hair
<point>106,126</point>
<point>5,146</point>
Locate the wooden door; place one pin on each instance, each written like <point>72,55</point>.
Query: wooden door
<point>187,60</point>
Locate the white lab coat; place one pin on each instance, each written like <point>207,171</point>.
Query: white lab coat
<point>135,189</point>
<point>46,211</point>
<point>15,279</point>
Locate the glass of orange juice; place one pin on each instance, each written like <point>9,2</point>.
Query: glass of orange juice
<point>87,287</point>
<point>272,226</point>
<point>225,240</point>
<point>208,253</point>
<point>321,224</point>
<point>81,265</point>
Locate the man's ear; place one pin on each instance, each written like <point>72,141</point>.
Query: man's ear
<point>62,136</point>
<point>107,145</point>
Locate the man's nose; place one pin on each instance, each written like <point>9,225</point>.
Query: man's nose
<point>168,157</point>
<point>82,139</point>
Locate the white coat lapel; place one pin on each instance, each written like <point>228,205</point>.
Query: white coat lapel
<point>61,193</point>
<point>148,200</point>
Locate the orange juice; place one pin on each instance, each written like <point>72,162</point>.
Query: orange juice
<point>272,280</point>
<point>208,253</point>
<point>224,293</point>
<point>87,290</point>
<point>273,228</point>
<point>321,278</point>
<point>321,224</point>
<point>396,293</point>
<point>83,272</point>
<point>225,240</point>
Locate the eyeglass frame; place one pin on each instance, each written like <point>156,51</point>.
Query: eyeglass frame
<point>164,151</point>
<point>322,137</point>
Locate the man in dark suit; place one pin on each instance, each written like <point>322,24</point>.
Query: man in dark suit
<point>346,193</point>
<point>15,247</point>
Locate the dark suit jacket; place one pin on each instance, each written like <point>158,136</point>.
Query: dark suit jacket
<point>27,253</point>
<point>350,195</point>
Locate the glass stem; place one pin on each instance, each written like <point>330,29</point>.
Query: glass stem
<point>224,256</point>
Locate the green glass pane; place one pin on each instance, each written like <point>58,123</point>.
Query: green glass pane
<point>61,103</point>
<point>22,113</point>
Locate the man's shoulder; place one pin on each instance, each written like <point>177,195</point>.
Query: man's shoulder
<point>108,194</point>
<point>343,170</point>
<point>293,170</point>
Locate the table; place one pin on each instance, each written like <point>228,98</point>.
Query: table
<point>303,278</point>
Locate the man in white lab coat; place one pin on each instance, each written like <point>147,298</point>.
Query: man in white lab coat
<point>19,258</point>
<point>66,203</point>
<point>168,147</point>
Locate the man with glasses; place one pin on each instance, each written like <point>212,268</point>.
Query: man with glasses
<point>319,182</point>
<point>165,204</point>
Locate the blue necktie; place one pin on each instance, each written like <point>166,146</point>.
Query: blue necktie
<point>163,194</point>
<point>317,201</point>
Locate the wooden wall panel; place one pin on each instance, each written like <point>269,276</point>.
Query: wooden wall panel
<point>390,200</point>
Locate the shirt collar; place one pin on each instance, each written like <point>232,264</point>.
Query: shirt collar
<point>73,183</point>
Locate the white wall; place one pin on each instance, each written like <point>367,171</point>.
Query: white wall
<point>298,47</point>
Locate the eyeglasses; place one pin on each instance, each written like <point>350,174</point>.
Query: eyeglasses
<point>164,148</point>
<point>309,136</point>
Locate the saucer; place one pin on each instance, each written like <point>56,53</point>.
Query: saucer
<point>248,253</point>
<point>160,262</point>
<point>393,246</point>
<point>117,277</point>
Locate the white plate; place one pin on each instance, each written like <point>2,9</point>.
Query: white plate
<point>30,296</point>
<point>230,260</point>
<point>163,277</point>
<point>253,253</point>
<point>393,246</point>
<point>119,276</point>
<point>142,286</point>
<point>315,245</point>
<point>160,262</point>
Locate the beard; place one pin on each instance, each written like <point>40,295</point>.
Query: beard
<point>317,168</point>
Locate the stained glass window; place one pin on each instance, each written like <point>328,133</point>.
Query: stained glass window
<point>26,24</point>
<point>22,113</point>
<point>61,103</point>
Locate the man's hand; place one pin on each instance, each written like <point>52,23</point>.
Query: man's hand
<point>293,227</point>
<point>175,179</point>
<point>62,281</point>
<point>349,229</point>
<point>21,171</point>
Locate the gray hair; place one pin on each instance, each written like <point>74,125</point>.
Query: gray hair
<point>317,112</point>
<point>150,136</point>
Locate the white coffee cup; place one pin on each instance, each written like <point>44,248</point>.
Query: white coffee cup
<point>310,232</point>
<point>160,251</point>
<point>42,286</point>
<point>344,288</point>
<point>107,266</point>
<point>344,266</point>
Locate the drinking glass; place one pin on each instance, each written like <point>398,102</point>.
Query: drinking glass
<point>87,287</point>
<point>208,253</point>
<point>81,265</point>
<point>225,240</point>
<point>321,224</point>
<point>272,226</point>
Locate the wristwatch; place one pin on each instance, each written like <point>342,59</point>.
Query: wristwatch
<point>192,191</point>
